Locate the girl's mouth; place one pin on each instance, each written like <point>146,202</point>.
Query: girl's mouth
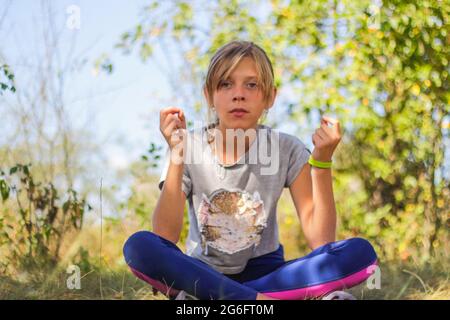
<point>238,112</point>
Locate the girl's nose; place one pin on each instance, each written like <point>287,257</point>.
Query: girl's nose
<point>238,93</point>
<point>238,97</point>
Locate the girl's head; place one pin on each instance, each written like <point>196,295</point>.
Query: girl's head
<point>240,76</point>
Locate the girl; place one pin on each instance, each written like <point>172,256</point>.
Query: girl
<point>233,249</point>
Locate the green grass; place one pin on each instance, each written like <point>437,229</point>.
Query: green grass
<point>397,282</point>
<point>401,281</point>
<point>111,279</point>
<point>107,285</point>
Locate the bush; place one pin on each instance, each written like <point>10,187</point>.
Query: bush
<point>35,219</point>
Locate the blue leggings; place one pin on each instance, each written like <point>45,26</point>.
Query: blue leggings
<point>333,266</point>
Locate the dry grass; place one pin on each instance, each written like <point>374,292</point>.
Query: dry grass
<point>406,282</point>
<point>123,285</point>
<point>106,276</point>
<point>398,281</point>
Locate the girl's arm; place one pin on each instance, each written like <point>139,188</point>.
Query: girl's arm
<point>312,190</point>
<point>312,193</point>
<point>169,211</point>
<point>168,215</point>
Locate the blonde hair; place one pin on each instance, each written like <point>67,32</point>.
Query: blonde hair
<point>225,61</point>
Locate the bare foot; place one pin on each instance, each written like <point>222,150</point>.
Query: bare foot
<point>261,296</point>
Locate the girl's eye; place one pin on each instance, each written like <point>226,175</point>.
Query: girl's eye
<point>226,84</point>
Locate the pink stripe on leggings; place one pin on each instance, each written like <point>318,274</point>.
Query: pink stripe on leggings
<point>321,289</point>
<point>161,287</point>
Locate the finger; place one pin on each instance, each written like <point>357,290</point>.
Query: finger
<point>330,131</point>
<point>333,131</point>
<point>183,119</point>
<point>166,111</point>
<point>316,139</point>
<point>180,116</point>
<point>322,134</point>
<point>171,128</point>
<point>325,123</point>
<point>169,119</point>
<point>334,122</point>
<point>330,120</point>
<point>170,110</point>
<point>166,121</point>
<point>178,123</point>
<point>324,126</point>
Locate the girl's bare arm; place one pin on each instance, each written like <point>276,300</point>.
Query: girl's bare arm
<point>312,190</point>
<point>168,215</point>
<point>312,194</point>
<point>169,211</point>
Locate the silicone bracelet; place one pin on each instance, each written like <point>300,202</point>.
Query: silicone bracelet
<point>319,164</point>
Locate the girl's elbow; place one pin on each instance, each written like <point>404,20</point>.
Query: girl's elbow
<point>168,235</point>
<point>318,241</point>
<point>165,231</point>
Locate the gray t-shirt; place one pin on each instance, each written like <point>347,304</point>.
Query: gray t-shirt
<point>232,208</point>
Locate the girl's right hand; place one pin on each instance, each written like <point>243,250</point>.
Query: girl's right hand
<point>170,120</point>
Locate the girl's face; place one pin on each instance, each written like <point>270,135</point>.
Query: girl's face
<point>239,99</point>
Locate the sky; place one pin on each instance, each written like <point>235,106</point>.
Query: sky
<point>121,109</point>
<point>124,103</point>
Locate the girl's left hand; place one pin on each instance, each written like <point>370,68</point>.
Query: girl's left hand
<point>326,139</point>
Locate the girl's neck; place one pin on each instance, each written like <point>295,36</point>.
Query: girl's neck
<point>232,152</point>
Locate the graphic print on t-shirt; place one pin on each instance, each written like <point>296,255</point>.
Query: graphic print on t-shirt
<point>231,221</point>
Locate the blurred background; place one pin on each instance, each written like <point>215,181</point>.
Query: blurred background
<point>82,83</point>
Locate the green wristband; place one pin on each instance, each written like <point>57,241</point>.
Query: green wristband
<point>319,164</point>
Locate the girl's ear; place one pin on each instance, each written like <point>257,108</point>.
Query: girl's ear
<point>272,98</point>
<point>205,92</point>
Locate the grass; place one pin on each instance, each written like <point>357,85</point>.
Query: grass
<point>115,285</point>
<point>398,281</point>
<point>104,274</point>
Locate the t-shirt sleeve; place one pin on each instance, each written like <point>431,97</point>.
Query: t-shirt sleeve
<point>298,157</point>
<point>186,184</point>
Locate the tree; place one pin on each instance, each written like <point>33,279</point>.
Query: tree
<point>380,67</point>
<point>38,122</point>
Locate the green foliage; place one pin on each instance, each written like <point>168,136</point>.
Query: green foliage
<point>34,235</point>
<point>103,63</point>
<point>152,156</point>
<point>6,79</point>
<point>400,68</point>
